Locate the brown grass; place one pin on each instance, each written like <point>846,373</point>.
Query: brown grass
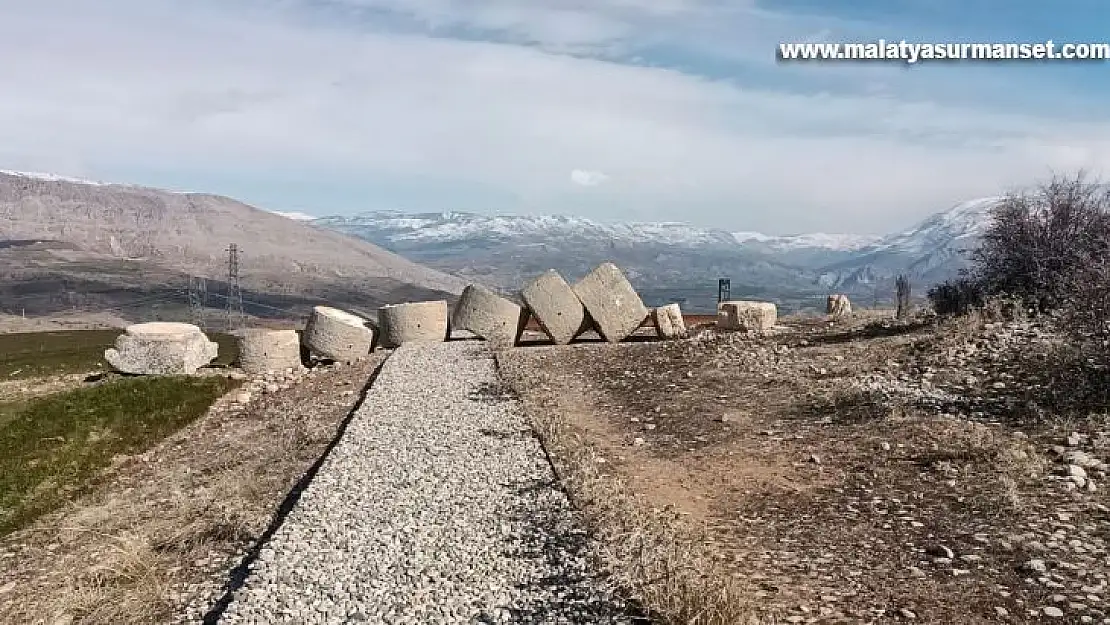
<point>660,560</point>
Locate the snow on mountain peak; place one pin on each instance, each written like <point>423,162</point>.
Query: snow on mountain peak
<point>818,240</point>
<point>294,215</point>
<point>964,221</point>
<point>51,177</point>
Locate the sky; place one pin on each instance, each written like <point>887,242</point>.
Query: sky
<point>643,110</point>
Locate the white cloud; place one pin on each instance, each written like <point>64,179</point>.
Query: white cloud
<point>132,85</point>
<point>587,178</point>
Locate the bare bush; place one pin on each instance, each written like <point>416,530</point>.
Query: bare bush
<point>1039,242</point>
<point>956,297</point>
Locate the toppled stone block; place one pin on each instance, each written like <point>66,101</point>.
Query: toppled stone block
<point>489,316</point>
<point>615,307</point>
<point>746,316</point>
<point>556,308</point>
<point>413,322</point>
<point>263,351</point>
<point>838,306</point>
<point>333,334</point>
<point>669,323</point>
<point>161,348</point>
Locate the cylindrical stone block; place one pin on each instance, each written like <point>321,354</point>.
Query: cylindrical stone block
<point>669,323</point>
<point>334,334</point>
<point>489,316</point>
<point>261,351</point>
<point>413,322</point>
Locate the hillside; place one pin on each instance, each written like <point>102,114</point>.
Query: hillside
<point>120,239</point>
<point>666,261</point>
<point>932,251</point>
<point>675,261</point>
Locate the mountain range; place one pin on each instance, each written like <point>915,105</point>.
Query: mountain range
<point>675,261</point>
<point>70,245</point>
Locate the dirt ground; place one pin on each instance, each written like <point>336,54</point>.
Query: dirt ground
<point>835,474</point>
<point>154,541</point>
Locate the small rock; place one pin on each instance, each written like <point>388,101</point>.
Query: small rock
<point>907,613</point>
<point>1052,611</point>
<point>940,551</point>
<point>1001,611</point>
<point>1074,470</point>
<point>1035,565</point>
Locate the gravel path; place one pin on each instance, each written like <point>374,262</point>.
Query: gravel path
<point>436,506</point>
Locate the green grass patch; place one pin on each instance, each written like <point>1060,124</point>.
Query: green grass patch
<point>52,448</point>
<point>37,354</point>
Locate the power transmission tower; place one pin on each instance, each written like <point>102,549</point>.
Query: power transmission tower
<point>198,300</point>
<point>235,314</point>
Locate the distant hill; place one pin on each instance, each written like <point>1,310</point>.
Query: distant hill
<point>123,240</point>
<point>675,261</point>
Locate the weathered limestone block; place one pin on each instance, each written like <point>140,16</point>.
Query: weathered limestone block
<point>746,315</point>
<point>615,307</point>
<point>262,351</point>
<point>669,323</point>
<point>556,308</point>
<point>161,348</point>
<point>838,306</point>
<point>489,316</point>
<point>413,322</point>
<point>334,334</point>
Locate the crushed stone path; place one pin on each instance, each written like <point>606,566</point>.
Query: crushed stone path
<point>436,506</point>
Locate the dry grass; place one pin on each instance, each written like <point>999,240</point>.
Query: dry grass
<point>735,479</point>
<point>659,559</point>
<point>154,543</point>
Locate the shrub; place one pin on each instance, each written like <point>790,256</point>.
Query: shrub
<point>1039,243</point>
<point>956,297</point>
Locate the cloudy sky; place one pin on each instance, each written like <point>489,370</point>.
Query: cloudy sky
<point>611,109</point>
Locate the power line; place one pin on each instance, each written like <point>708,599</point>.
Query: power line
<point>198,300</point>
<point>234,304</point>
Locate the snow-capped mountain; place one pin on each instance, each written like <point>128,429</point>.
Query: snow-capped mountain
<point>295,216</point>
<point>674,257</point>
<point>455,227</point>
<point>932,251</point>
<point>30,175</point>
<point>834,242</point>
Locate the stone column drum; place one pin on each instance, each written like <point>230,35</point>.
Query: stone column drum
<point>334,334</point>
<point>413,322</point>
<point>556,308</point>
<point>669,323</point>
<point>612,303</point>
<point>490,316</point>
<point>262,351</point>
